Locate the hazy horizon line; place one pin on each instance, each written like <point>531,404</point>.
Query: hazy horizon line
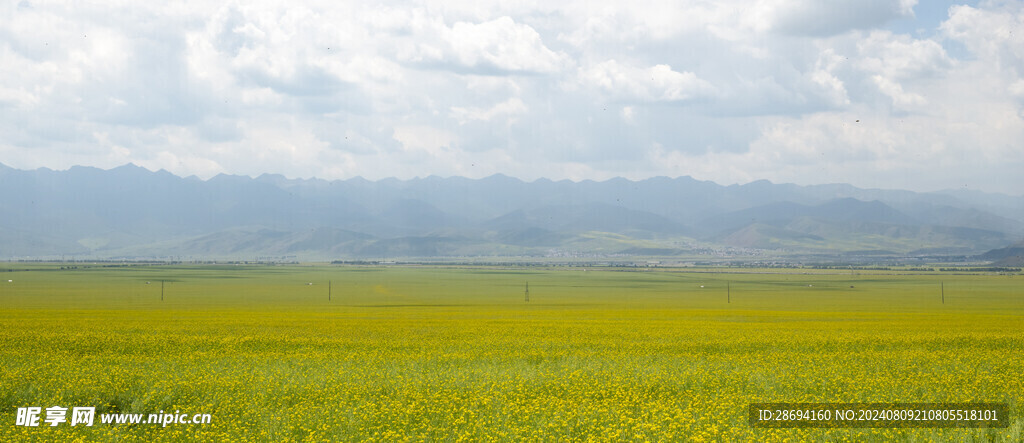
<point>497,174</point>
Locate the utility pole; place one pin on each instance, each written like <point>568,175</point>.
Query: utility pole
<point>527,291</point>
<point>942,287</point>
<point>728,293</point>
<point>328,290</point>
<point>161,290</point>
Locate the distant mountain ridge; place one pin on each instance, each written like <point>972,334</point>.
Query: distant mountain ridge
<point>1012,255</point>
<point>131,212</point>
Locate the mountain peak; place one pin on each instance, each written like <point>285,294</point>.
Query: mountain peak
<point>129,167</point>
<point>501,178</point>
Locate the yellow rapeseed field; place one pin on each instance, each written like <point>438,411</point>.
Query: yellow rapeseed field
<point>456,354</point>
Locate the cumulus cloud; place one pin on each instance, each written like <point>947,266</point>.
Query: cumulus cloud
<point>508,108</point>
<point>899,57</point>
<point>900,98</point>
<point>493,47</point>
<point>658,83</point>
<point>989,33</point>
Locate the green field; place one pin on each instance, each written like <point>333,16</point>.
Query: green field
<point>450,354</point>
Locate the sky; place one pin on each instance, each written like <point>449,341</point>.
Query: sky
<point>880,94</point>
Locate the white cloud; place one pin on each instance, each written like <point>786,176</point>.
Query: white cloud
<point>508,108</point>
<point>627,114</point>
<point>1017,89</point>
<point>601,23</point>
<point>425,139</point>
<point>898,57</point>
<point>989,33</point>
<point>900,98</point>
<point>658,83</point>
<point>492,47</point>
<point>831,87</point>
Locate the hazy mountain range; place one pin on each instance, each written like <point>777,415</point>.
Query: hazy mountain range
<point>131,212</point>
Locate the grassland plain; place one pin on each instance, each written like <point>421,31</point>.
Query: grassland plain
<point>456,354</point>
